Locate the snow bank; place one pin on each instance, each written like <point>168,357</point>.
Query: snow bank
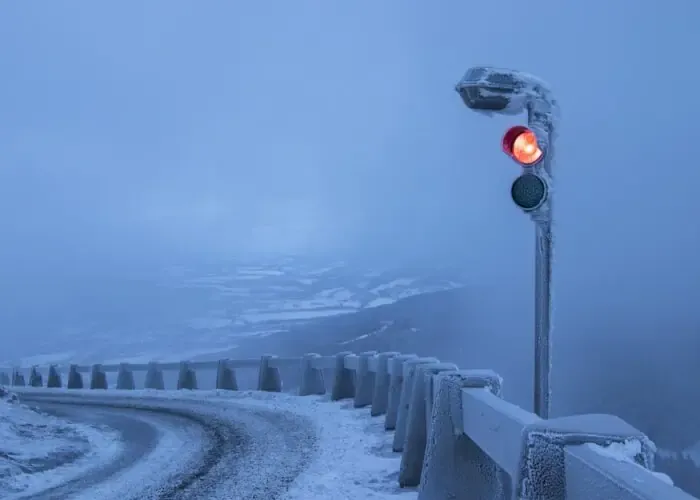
<point>38,451</point>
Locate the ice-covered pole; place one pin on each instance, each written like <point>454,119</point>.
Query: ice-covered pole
<point>541,121</point>
<point>503,91</point>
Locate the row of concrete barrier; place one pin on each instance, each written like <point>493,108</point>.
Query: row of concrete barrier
<point>458,438</point>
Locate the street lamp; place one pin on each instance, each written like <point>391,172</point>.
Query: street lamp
<point>503,91</point>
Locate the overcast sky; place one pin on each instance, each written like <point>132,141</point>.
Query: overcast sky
<point>141,129</point>
<point>313,125</point>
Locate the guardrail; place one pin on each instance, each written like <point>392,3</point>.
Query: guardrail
<point>458,438</point>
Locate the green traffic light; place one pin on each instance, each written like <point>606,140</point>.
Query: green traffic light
<point>529,191</point>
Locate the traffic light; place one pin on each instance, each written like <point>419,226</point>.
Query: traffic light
<point>520,143</point>
<point>530,190</point>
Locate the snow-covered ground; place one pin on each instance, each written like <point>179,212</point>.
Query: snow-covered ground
<point>355,459</point>
<point>38,451</point>
<point>291,292</point>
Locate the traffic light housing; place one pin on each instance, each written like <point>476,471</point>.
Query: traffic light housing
<point>531,190</point>
<point>520,143</point>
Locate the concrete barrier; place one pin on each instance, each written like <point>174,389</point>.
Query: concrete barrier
<point>125,378</point>
<point>53,381</point>
<point>364,380</point>
<point>453,463</point>
<point>98,378</point>
<point>18,379</point>
<point>269,379</point>
<point>382,381</point>
<point>225,376</point>
<point>35,378</point>
<point>416,425</point>
<point>395,388</point>
<point>312,381</point>
<point>4,379</point>
<point>75,379</point>
<point>187,377</point>
<point>343,379</point>
<point>457,437</point>
<point>409,373</point>
<point>154,377</point>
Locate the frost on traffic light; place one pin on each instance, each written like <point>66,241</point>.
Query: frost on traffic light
<point>529,191</point>
<point>520,143</point>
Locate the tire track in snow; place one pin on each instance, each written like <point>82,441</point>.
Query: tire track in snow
<point>241,452</point>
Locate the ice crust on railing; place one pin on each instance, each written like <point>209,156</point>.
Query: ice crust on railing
<point>416,438</point>
<point>628,451</point>
<point>542,460</point>
<point>454,465</point>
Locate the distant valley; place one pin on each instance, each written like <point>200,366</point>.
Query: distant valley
<point>193,313</point>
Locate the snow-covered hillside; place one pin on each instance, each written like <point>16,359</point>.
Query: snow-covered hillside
<point>288,290</point>
<point>201,311</point>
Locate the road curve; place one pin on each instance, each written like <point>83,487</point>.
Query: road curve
<point>179,449</point>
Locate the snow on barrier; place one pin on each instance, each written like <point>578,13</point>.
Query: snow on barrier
<point>457,437</point>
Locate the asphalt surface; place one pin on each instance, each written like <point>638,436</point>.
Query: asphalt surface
<point>179,449</point>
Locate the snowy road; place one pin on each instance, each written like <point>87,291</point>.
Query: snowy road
<point>184,448</point>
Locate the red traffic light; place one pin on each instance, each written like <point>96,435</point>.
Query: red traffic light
<point>520,143</point>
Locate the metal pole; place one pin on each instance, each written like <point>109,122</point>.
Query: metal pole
<point>542,124</point>
<point>543,275</point>
<point>493,90</point>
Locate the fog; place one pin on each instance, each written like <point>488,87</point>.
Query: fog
<point>135,136</point>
